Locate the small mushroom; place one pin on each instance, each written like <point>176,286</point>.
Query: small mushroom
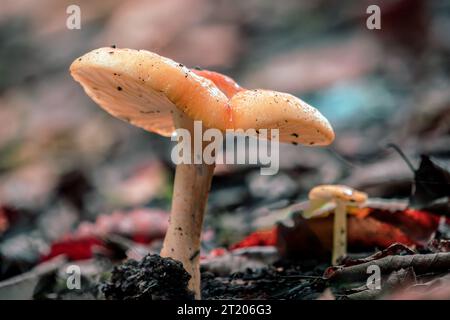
<point>160,95</point>
<point>344,197</point>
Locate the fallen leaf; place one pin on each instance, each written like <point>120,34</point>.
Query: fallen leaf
<point>440,245</point>
<point>313,237</point>
<point>396,280</point>
<point>421,263</point>
<point>73,249</point>
<point>140,225</point>
<point>394,249</point>
<point>436,289</point>
<point>258,238</point>
<point>400,279</point>
<point>431,182</point>
<point>300,241</point>
<point>419,226</point>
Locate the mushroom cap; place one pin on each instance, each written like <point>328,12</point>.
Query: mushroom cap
<point>337,192</point>
<point>226,84</point>
<point>149,90</point>
<point>296,120</point>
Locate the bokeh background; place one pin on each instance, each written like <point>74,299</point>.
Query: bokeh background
<point>64,162</point>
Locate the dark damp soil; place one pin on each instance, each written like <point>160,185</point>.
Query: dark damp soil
<point>152,278</point>
<point>156,278</point>
<point>282,280</point>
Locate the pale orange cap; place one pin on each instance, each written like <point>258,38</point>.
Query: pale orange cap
<point>149,90</point>
<point>337,192</point>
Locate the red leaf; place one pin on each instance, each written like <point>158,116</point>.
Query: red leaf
<point>258,238</point>
<point>74,249</point>
<point>418,225</point>
<point>313,237</point>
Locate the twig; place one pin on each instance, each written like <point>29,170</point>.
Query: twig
<point>402,155</point>
<point>421,263</point>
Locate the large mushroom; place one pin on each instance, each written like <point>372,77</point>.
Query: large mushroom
<point>160,95</point>
<point>344,197</point>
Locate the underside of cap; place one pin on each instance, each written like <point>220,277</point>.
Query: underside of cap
<point>298,122</point>
<point>339,192</point>
<point>149,90</point>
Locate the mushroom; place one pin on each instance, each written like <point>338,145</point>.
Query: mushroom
<point>344,197</point>
<point>160,95</point>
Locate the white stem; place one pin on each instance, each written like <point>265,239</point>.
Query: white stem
<point>339,232</point>
<point>190,195</point>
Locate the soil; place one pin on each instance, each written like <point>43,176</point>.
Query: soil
<point>152,278</point>
<point>282,280</point>
<point>156,278</point>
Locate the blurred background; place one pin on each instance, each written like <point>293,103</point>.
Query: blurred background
<point>67,167</point>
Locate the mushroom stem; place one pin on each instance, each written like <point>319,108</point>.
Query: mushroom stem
<point>190,195</point>
<point>339,232</point>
